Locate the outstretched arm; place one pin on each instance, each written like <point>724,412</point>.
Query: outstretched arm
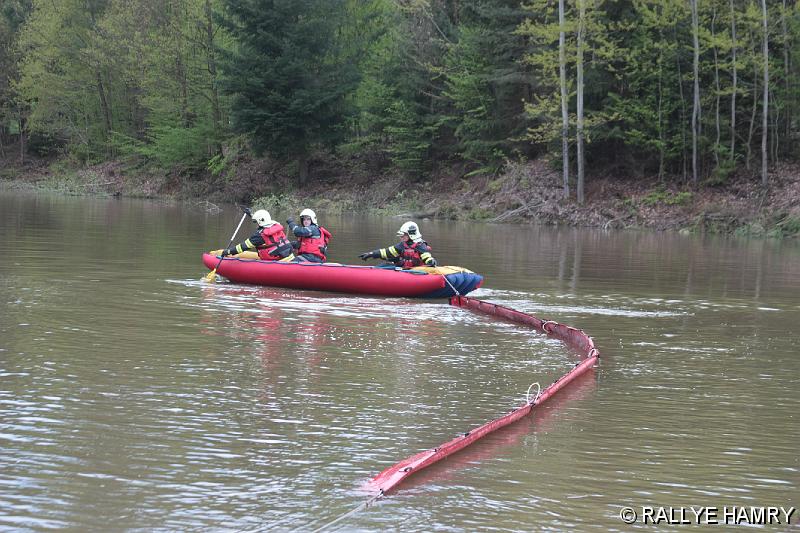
<point>252,243</point>
<point>390,254</point>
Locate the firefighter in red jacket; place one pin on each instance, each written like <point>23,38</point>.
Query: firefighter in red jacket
<point>312,240</point>
<point>269,240</point>
<point>412,251</point>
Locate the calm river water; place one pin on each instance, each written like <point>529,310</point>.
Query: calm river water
<point>135,396</point>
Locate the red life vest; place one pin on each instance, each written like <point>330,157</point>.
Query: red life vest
<point>315,245</point>
<point>410,257</point>
<point>274,238</point>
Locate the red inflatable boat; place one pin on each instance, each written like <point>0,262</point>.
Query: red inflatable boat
<point>420,282</point>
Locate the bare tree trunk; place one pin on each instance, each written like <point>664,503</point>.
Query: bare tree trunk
<point>749,145</point>
<point>21,140</point>
<point>562,67</point>
<point>180,73</point>
<point>683,105</point>
<point>716,86</point>
<point>104,98</point>
<point>775,136</point>
<point>104,102</point>
<point>581,29</point>
<point>786,74</point>
<point>179,12</point>
<point>660,118</point>
<point>734,88</point>
<point>216,114</point>
<point>696,104</point>
<point>764,123</point>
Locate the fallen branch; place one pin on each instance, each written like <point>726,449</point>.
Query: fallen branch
<point>514,212</point>
<point>209,206</point>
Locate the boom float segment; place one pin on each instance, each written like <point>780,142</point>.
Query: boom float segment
<point>575,338</point>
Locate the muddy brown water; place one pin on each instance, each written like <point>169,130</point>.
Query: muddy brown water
<point>135,396</point>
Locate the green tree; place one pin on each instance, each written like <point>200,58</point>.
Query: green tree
<point>487,82</point>
<point>589,70</point>
<point>67,76</point>
<point>289,75</point>
<point>12,113</point>
<point>178,110</point>
<point>396,100</point>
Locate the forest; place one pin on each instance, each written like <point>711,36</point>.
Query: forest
<point>686,91</point>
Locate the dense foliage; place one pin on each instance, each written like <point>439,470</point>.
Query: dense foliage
<point>674,88</point>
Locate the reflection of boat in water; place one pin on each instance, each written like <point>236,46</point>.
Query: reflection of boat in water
<point>418,282</point>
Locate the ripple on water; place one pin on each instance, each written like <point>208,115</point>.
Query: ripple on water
<point>147,404</point>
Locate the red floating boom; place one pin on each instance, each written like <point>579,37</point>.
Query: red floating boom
<point>575,338</point>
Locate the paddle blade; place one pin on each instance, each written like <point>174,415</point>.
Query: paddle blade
<point>211,276</point>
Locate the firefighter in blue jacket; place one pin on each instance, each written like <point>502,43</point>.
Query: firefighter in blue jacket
<point>312,240</point>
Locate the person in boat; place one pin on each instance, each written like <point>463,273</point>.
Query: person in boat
<point>410,252</point>
<point>312,239</point>
<point>269,239</point>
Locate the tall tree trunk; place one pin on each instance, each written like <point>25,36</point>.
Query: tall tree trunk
<point>683,104</point>
<point>181,17</point>
<point>216,114</point>
<point>104,98</point>
<point>103,102</point>
<point>775,136</point>
<point>180,74</point>
<point>734,82</point>
<point>662,143</point>
<point>21,140</point>
<point>749,146</point>
<point>764,122</point>
<point>581,30</point>
<point>562,67</point>
<point>716,86</point>
<point>696,76</point>
<point>786,74</point>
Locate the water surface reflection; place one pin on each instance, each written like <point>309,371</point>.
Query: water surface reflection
<point>133,394</point>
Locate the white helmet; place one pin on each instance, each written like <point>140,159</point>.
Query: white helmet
<point>262,218</point>
<point>412,229</point>
<point>310,214</point>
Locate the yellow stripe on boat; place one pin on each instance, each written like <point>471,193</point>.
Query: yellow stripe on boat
<point>443,270</point>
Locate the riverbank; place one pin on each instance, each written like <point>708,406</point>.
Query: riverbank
<point>522,192</point>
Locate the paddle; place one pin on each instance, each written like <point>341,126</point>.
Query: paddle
<point>211,276</point>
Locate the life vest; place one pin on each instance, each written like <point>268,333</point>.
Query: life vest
<point>276,245</point>
<point>315,245</point>
<point>410,256</point>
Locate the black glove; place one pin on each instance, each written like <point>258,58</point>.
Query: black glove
<point>289,221</point>
<point>433,263</point>
<point>365,256</point>
<point>226,252</point>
